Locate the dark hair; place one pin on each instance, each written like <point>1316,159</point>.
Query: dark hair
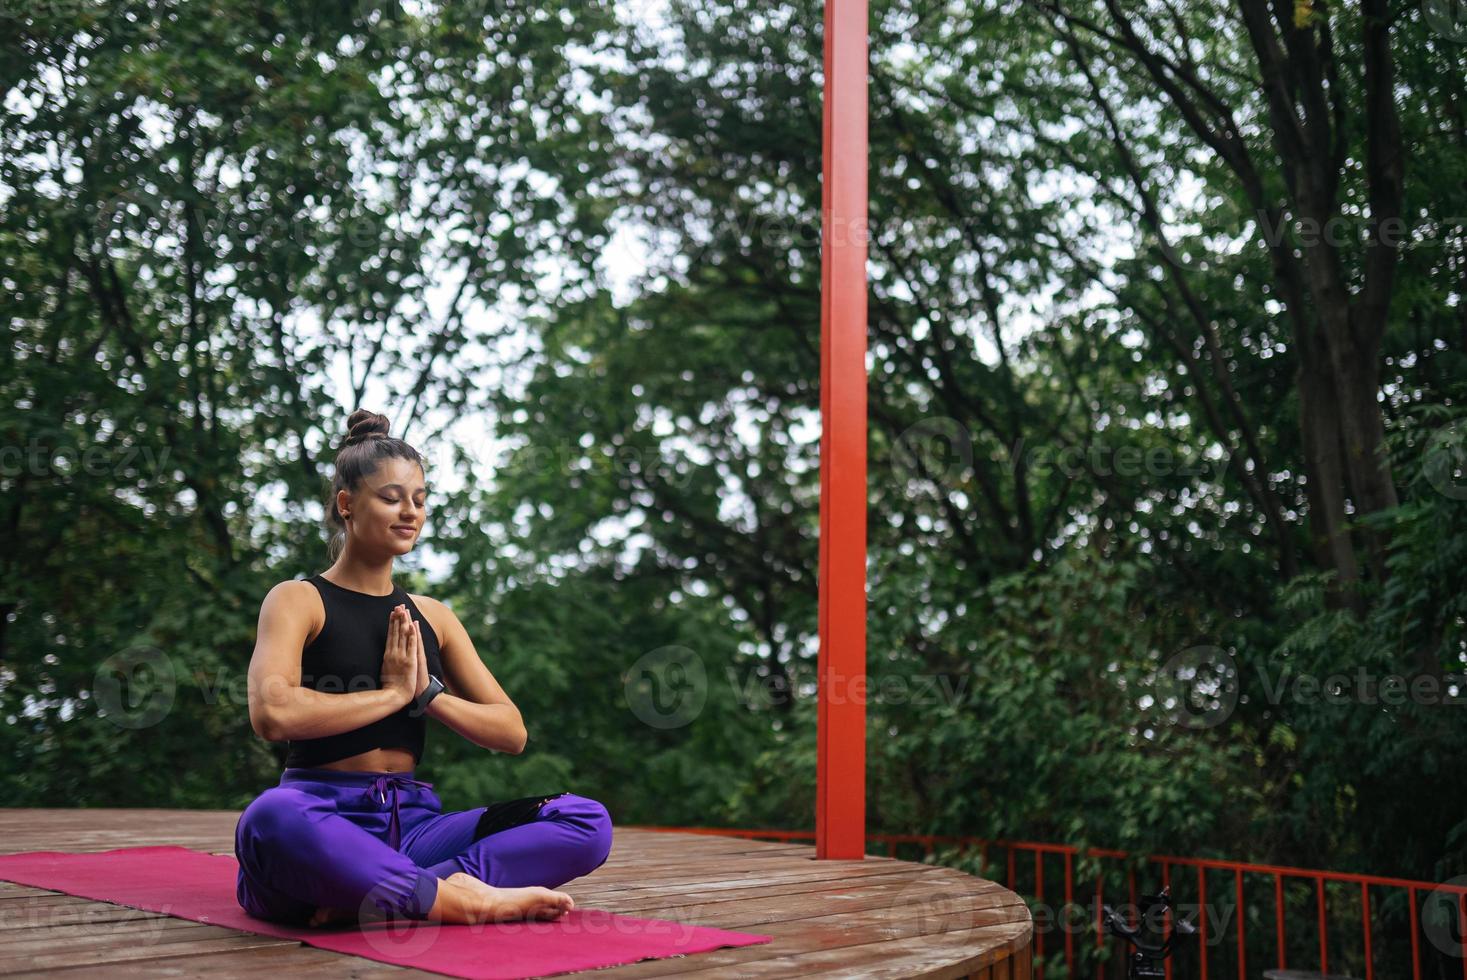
<point>366,445</point>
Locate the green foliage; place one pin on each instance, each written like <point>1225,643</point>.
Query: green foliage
<point>227,225</point>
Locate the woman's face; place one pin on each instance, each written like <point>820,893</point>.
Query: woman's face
<point>389,507</point>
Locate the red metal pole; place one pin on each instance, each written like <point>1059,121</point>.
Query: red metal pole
<point>1202,919</point>
<point>1365,921</point>
<point>1415,936</point>
<point>1069,900</point>
<point>840,790</point>
<point>1278,912</point>
<point>1323,926</point>
<point>1166,919</point>
<point>1039,897</point>
<point>1242,914</point>
<point>1132,914</point>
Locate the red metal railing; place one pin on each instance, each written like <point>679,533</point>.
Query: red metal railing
<point>1278,873</point>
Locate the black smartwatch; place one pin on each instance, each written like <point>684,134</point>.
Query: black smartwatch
<point>420,703</point>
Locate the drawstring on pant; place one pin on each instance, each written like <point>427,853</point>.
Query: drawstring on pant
<point>377,792</point>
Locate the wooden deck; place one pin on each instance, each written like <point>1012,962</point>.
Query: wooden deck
<point>878,917</point>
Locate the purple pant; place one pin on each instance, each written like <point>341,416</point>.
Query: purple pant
<point>379,842</point>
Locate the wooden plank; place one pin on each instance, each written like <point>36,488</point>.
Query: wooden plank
<point>934,956</point>
<point>74,936</point>
<point>875,916</point>
<point>740,878</point>
<point>901,898</point>
<point>9,889</point>
<point>97,961</point>
<point>81,911</point>
<point>801,948</point>
<point>637,860</point>
<point>892,921</point>
<point>277,961</point>
<point>652,900</point>
<point>56,952</point>
<point>49,900</point>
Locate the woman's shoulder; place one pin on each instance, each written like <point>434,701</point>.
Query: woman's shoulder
<point>293,594</point>
<point>295,600</point>
<point>291,589</point>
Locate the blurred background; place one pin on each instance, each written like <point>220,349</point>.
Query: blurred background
<point>1168,315</point>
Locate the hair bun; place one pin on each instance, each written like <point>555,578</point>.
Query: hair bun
<point>363,425</point>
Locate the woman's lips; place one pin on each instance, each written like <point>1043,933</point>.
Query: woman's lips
<point>402,531</point>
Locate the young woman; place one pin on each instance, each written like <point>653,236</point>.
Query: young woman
<point>347,669</point>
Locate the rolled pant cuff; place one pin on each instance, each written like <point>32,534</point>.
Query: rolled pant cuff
<point>425,893</point>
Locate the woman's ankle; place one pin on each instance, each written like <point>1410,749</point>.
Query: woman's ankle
<point>452,903</point>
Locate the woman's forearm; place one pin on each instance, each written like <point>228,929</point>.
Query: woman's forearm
<point>492,726</point>
<point>282,711</point>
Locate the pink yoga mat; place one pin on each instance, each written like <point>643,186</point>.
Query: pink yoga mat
<point>200,887</point>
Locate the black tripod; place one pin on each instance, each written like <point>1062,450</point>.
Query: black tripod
<point>1150,945</point>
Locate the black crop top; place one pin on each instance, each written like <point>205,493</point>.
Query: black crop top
<point>347,656</point>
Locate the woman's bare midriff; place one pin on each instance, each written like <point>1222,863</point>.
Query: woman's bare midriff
<point>374,760</point>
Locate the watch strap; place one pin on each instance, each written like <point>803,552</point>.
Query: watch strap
<point>434,688</point>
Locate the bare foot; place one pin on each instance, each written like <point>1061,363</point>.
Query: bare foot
<point>328,917</point>
<point>487,903</point>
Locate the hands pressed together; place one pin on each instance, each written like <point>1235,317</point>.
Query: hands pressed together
<point>404,662</point>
